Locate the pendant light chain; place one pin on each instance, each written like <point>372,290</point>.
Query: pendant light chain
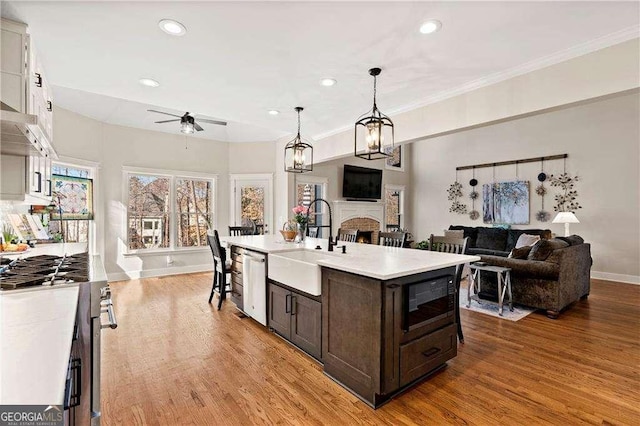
<point>298,124</point>
<point>375,90</point>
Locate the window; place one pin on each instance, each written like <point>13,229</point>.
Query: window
<point>167,211</point>
<point>193,204</point>
<point>308,188</point>
<point>394,207</point>
<point>72,230</point>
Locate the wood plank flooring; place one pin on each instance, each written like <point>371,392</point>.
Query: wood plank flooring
<point>175,360</point>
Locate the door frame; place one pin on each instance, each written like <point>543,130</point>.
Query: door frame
<point>235,179</point>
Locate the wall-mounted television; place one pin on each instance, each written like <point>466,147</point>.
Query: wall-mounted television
<point>361,183</point>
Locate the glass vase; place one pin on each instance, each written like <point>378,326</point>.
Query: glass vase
<point>302,232</point>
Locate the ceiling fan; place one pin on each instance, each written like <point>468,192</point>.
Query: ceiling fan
<point>188,124</point>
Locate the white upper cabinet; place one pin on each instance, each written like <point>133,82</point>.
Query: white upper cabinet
<point>14,65</point>
<point>24,90</point>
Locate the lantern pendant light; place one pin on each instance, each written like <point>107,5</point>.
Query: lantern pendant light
<point>374,136</point>
<point>298,154</point>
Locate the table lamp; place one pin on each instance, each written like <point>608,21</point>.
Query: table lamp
<point>566,218</point>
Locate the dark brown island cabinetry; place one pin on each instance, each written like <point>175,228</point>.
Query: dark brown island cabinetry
<point>296,317</point>
<point>374,339</point>
<point>236,276</point>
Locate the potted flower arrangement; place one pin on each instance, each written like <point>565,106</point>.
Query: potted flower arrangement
<point>300,218</point>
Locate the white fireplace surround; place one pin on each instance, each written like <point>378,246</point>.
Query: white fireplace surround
<point>344,210</point>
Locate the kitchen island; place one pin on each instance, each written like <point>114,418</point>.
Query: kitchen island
<point>378,318</point>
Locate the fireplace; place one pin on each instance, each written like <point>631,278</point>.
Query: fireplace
<point>365,237</point>
<point>366,217</point>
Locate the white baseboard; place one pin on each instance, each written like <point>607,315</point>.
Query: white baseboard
<point>608,276</point>
<point>160,272</point>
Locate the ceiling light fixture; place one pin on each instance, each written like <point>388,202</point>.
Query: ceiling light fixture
<point>187,124</point>
<point>298,154</point>
<point>431,26</point>
<point>374,134</point>
<point>149,82</point>
<point>274,112</point>
<point>328,82</point>
<point>172,27</point>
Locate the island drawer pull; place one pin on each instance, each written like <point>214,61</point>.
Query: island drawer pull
<point>431,352</point>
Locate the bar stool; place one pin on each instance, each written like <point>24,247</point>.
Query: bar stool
<point>221,267</point>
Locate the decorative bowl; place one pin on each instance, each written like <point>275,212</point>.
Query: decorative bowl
<point>288,235</point>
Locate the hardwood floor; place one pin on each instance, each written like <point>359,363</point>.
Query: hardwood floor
<point>175,360</point>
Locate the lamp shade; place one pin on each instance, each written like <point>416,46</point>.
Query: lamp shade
<point>565,217</point>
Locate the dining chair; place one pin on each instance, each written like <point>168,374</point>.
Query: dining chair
<point>392,239</point>
<point>348,235</point>
<point>235,231</point>
<point>221,267</point>
<point>454,246</point>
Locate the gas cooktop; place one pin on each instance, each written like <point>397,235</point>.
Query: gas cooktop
<point>44,270</point>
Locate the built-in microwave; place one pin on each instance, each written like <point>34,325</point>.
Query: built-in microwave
<point>428,301</point>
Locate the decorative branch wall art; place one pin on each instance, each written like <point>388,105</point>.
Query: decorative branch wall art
<point>506,202</point>
<point>566,201</point>
<point>455,192</point>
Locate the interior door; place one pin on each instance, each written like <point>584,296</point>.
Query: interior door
<point>252,201</point>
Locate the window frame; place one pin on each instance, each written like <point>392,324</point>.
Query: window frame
<point>402,190</point>
<point>173,176</point>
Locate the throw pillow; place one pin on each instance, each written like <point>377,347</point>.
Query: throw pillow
<point>572,240</point>
<point>543,248</point>
<point>520,253</point>
<point>527,240</point>
<point>457,233</point>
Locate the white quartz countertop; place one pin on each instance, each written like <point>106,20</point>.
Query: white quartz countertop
<point>36,330</point>
<point>383,263</point>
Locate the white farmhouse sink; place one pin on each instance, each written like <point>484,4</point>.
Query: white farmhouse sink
<point>298,269</point>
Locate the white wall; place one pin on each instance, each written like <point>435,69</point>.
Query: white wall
<point>113,147</point>
<point>602,139</point>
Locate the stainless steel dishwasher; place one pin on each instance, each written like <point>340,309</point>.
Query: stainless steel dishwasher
<point>254,281</point>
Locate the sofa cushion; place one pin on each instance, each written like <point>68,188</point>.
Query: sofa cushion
<point>470,232</point>
<point>481,251</point>
<point>526,240</point>
<point>492,239</point>
<point>520,252</point>
<point>572,240</point>
<point>514,234</point>
<point>543,248</point>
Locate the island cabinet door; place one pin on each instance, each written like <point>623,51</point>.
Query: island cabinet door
<point>306,324</point>
<point>279,310</point>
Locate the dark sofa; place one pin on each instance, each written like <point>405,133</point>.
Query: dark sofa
<point>495,241</point>
<point>551,283</point>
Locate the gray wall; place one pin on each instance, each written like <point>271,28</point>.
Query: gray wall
<point>602,140</point>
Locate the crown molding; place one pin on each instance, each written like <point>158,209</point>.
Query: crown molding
<point>582,49</point>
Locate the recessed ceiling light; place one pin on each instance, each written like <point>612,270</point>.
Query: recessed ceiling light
<point>274,112</point>
<point>172,27</point>
<point>430,27</point>
<point>149,82</point>
<point>328,82</point>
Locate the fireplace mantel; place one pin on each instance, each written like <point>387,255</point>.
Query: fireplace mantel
<point>344,210</point>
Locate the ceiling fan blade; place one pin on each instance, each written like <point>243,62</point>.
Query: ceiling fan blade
<point>197,127</point>
<point>167,121</point>
<point>205,120</point>
<point>165,113</point>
